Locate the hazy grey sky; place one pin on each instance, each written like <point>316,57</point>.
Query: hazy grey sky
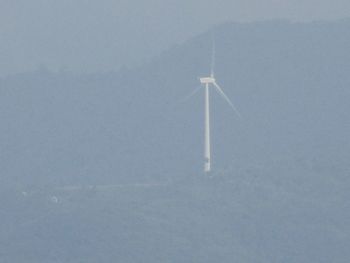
<point>86,35</point>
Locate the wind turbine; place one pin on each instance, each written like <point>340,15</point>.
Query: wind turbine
<point>210,82</point>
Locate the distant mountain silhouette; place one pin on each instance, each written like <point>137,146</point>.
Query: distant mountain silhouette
<point>290,81</point>
<point>279,190</point>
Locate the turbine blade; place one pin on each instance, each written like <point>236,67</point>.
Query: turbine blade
<point>220,91</point>
<point>191,94</point>
<point>212,58</point>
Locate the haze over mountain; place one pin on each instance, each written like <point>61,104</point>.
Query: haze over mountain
<point>94,36</point>
<point>279,191</point>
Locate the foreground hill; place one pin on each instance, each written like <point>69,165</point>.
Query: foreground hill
<point>283,213</point>
<point>279,188</point>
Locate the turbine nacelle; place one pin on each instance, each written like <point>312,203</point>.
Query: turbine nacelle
<point>207,80</point>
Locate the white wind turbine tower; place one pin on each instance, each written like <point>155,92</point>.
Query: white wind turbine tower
<point>210,82</point>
